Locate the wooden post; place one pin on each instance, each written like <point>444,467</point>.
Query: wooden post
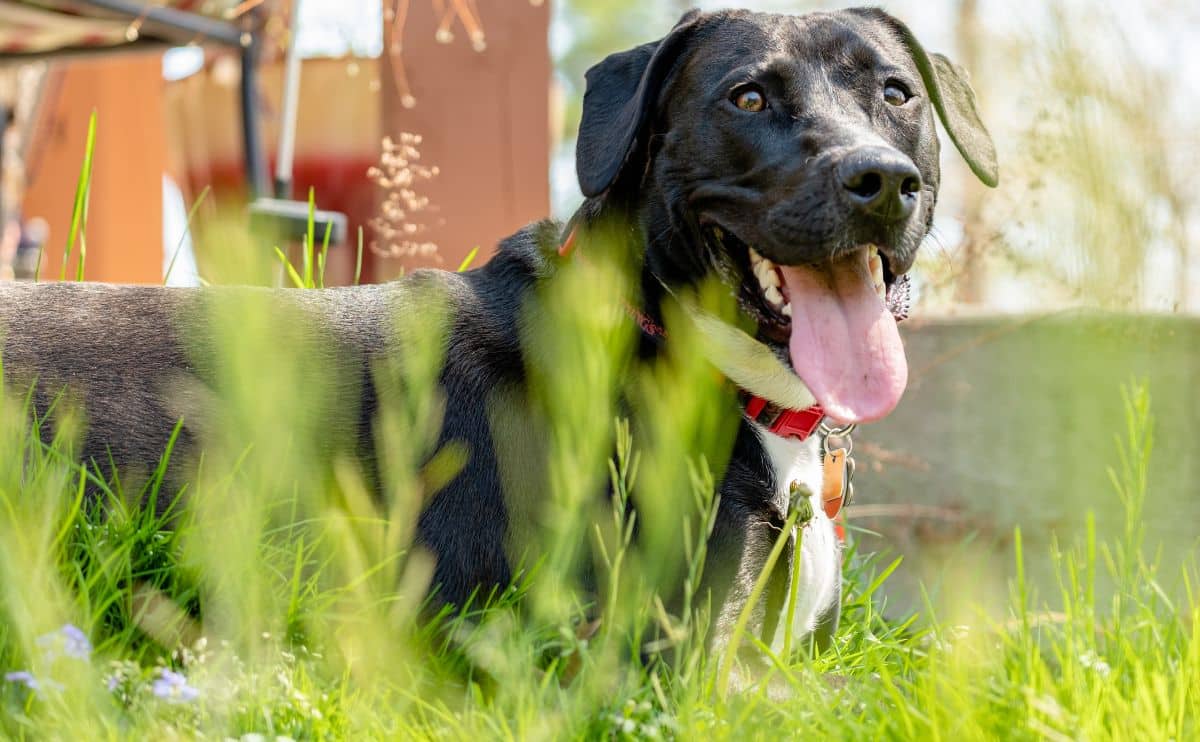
<point>484,119</point>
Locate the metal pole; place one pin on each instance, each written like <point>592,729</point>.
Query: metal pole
<point>291,102</point>
<point>190,24</point>
<point>256,161</point>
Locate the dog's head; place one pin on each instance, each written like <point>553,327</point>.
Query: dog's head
<point>796,159</point>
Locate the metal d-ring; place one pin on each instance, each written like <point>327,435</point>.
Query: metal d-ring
<point>843,433</point>
<point>837,432</point>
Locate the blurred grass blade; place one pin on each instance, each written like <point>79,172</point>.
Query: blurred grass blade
<point>79,210</point>
<point>466,263</point>
<point>358,258</point>
<point>187,229</point>
<point>296,279</point>
<point>324,256</point>
<point>310,239</point>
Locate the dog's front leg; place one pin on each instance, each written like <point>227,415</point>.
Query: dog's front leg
<point>757,558</point>
<point>748,591</point>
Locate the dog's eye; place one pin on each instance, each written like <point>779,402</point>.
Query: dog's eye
<point>750,99</point>
<point>895,93</point>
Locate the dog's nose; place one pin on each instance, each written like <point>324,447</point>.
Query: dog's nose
<point>881,182</point>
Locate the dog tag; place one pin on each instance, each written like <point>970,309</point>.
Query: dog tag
<point>836,487</point>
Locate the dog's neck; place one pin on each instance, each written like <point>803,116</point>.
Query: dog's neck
<point>652,236</point>
<point>647,233</point>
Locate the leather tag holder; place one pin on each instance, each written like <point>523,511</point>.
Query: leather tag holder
<point>833,488</point>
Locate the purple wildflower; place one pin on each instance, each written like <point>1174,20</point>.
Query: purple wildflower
<point>24,678</point>
<point>75,642</point>
<point>27,679</point>
<point>69,641</point>
<point>172,686</point>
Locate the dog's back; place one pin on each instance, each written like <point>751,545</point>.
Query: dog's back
<point>135,360</point>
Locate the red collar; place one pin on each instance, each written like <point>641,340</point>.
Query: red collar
<point>798,424</point>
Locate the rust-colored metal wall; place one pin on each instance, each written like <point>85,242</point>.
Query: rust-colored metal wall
<point>483,116</point>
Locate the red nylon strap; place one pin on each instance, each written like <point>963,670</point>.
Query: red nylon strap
<point>649,326</point>
<point>798,424</point>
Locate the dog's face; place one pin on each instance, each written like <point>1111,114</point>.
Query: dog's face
<point>797,159</point>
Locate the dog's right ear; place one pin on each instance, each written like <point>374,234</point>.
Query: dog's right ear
<point>954,101</point>
<point>952,98</point>
<point>622,94</point>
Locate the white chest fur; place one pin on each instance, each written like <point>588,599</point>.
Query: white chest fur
<point>820,551</point>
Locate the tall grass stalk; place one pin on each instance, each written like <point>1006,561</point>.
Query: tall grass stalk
<point>187,230</point>
<point>79,209</point>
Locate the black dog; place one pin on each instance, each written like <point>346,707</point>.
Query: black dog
<point>793,158</point>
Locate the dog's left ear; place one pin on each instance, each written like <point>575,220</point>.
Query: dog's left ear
<point>622,95</point>
<point>954,101</point>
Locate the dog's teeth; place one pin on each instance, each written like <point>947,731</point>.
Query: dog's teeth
<point>769,280</point>
<point>875,264</point>
<point>767,275</point>
<point>787,310</point>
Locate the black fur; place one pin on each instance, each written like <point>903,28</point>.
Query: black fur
<point>661,146</point>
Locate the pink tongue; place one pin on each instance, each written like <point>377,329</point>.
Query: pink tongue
<point>845,345</point>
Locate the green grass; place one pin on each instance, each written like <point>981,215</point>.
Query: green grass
<point>286,600</point>
<point>80,209</point>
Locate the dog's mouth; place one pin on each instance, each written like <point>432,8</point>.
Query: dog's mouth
<point>834,321</point>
